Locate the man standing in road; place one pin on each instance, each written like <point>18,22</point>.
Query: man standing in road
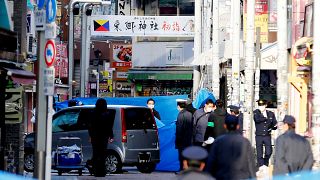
<point>265,122</point>
<point>231,155</point>
<point>293,152</point>
<point>184,127</point>
<point>100,131</point>
<point>200,122</point>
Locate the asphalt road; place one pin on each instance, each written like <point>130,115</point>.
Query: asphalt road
<point>130,173</point>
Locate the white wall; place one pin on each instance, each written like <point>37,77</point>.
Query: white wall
<point>162,54</point>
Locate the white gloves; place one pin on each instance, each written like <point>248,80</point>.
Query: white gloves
<point>210,140</point>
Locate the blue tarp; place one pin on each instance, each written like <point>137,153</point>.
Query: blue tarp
<point>11,176</point>
<point>167,107</point>
<point>202,97</point>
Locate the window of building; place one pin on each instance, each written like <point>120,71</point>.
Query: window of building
<point>169,7</point>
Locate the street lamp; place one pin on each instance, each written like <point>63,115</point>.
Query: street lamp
<point>71,35</point>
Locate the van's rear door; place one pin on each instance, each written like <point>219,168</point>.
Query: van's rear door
<point>141,128</point>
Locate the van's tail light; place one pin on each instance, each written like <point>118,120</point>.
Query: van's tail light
<point>154,122</point>
<point>124,127</point>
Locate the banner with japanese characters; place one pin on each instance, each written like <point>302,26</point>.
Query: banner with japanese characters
<point>166,26</point>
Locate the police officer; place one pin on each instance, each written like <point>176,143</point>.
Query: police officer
<point>194,163</point>
<point>265,122</point>
<point>293,152</point>
<point>231,155</point>
<point>235,110</point>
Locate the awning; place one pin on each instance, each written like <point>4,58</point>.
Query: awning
<point>21,76</point>
<point>160,75</point>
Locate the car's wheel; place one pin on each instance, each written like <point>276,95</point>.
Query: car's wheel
<point>113,163</point>
<point>29,162</point>
<point>146,167</point>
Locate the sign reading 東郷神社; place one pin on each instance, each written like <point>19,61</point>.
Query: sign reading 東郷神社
<point>166,26</point>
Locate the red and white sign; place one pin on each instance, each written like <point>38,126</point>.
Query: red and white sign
<point>49,52</point>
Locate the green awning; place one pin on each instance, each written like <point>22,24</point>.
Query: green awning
<point>160,75</point>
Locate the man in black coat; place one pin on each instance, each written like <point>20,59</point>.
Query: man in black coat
<point>231,155</point>
<point>184,125</point>
<point>217,118</point>
<point>293,152</point>
<point>101,133</point>
<point>265,122</point>
<point>150,104</point>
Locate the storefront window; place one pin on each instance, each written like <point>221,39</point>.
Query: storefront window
<point>186,7</point>
<point>168,7</point>
<point>150,7</point>
<point>308,21</point>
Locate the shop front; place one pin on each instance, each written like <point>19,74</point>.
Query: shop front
<point>164,82</point>
<point>165,69</point>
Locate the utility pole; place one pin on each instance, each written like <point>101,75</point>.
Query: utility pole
<point>215,50</point>
<point>248,114</point>
<point>316,84</point>
<point>83,60</point>
<point>282,65</point>
<point>235,96</point>
<point>257,66</point>
<point>197,45</point>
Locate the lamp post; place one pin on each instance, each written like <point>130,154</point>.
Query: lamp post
<point>71,36</point>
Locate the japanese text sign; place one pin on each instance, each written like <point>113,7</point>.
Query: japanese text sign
<point>166,26</point>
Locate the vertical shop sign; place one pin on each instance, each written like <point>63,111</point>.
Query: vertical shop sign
<point>260,19</point>
<point>124,7</point>
<point>61,63</point>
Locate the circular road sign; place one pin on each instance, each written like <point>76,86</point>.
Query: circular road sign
<point>49,52</point>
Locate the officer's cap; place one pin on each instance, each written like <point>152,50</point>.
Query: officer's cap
<point>289,119</point>
<point>231,120</point>
<point>195,153</point>
<point>233,107</point>
<point>261,102</point>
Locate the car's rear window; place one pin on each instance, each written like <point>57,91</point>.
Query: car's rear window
<point>139,118</point>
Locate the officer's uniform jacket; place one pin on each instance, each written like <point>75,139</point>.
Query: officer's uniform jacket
<point>293,153</point>
<point>264,125</point>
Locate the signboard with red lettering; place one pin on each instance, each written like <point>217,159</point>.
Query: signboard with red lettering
<point>61,63</point>
<point>166,26</point>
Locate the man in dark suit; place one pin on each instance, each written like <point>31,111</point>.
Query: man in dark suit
<point>265,122</point>
<point>184,126</point>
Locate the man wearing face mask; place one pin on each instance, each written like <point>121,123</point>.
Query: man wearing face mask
<point>184,127</point>
<point>150,104</point>
<point>265,122</point>
<point>200,122</point>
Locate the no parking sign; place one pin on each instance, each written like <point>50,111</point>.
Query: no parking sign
<point>50,52</point>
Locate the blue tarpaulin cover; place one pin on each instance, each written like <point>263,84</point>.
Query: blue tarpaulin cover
<point>167,107</point>
<point>202,97</point>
